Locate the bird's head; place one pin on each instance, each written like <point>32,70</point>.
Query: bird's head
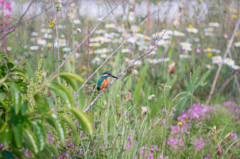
<point>108,74</point>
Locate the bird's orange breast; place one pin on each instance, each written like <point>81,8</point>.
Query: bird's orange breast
<point>105,83</point>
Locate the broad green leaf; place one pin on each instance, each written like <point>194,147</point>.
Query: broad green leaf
<point>55,122</point>
<point>10,63</point>
<point>32,140</point>
<point>19,154</point>
<point>71,78</point>
<point>83,119</point>
<point>24,107</point>
<point>73,128</point>
<point>7,155</point>
<point>63,92</point>
<point>41,103</point>
<point>40,155</point>
<point>17,133</point>
<point>47,153</point>
<point>53,149</point>
<point>6,136</point>
<point>2,80</point>
<point>17,68</point>
<point>17,98</point>
<point>40,134</point>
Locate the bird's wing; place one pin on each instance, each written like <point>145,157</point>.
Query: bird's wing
<point>100,81</point>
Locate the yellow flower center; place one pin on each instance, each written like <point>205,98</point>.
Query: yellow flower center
<point>191,27</point>
<point>209,54</point>
<point>229,60</point>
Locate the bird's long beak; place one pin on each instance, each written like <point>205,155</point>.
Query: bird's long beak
<point>114,77</point>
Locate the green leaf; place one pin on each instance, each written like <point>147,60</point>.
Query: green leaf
<point>32,140</point>
<point>17,98</point>
<point>17,133</point>
<point>6,136</point>
<point>24,107</point>
<point>53,149</point>
<point>55,122</point>
<point>2,80</point>
<point>47,153</point>
<point>7,155</point>
<point>73,128</point>
<point>19,154</point>
<point>63,92</point>
<point>17,68</point>
<point>137,91</point>
<point>83,119</point>
<point>70,78</point>
<point>41,103</point>
<point>17,74</point>
<point>40,134</point>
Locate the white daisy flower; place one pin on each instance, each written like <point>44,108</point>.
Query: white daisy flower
<point>191,29</point>
<point>76,21</point>
<point>151,96</point>
<point>184,56</point>
<point>237,44</point>
<point>66,49</point>
<point>163,59</point>
<point>34,34</point>
<point>41,42</point>
<point>111,25</point>
<point>214,24</point>
<point>34,47</point>
<point>229,62</point>
<point>216,59</point>
<point>209,66</point>
<point>235,67</point>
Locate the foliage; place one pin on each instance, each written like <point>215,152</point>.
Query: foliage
<point>23,129</point>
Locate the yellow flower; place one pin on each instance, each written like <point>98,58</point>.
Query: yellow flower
<point>202,37</point>
<point>235,11</point>
<point>209,54</point>
<point>53,21</point>
<point>158,2</point>
<point>104,69</point>
<point>179,123</point>
<point>50,25</point>
<point>230,9</point>
<point>200,1</point>
<point>234,16</point>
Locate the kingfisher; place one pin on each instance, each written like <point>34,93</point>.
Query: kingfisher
<point>104,81</point>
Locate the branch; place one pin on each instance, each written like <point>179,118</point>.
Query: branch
<point>220,67</point>
<point>139,57</point>
<point>18,23</point>
<point>76,49</point>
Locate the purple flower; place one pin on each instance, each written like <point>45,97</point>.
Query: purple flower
<point>199,144</point>
<point>7,15</point>
<point>8,6</point>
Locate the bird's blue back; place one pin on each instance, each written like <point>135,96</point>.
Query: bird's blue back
<point>100,81</point>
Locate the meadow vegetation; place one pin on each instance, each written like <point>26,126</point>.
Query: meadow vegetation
<point>177,92</point>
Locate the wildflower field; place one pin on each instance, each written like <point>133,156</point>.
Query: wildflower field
<point>176,89</point>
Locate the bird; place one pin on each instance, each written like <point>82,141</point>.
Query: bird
<point>104,81</point>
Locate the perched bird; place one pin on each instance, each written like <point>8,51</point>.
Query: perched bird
<point>104,81</point>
